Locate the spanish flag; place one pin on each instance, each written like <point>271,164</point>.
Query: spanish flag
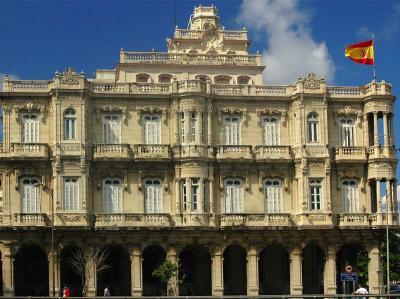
<point>361,52</point>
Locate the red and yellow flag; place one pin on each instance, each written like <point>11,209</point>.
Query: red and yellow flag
<point>361,52</point>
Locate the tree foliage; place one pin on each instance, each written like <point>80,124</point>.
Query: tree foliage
<point>167,273</point>
<point>394,255</point>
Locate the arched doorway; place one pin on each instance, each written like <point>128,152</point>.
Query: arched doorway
<point>153,256</point>
<point>313,269</point>
<point>274,271</point>
<point>195,271</point>
<point>356,256</point>
<point>118,274</point>
<point>235,273</point>
<point>31,272</point>
<point>68,276</point>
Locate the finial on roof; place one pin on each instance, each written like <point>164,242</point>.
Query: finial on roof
<point>122,48</point>
<point>153,50</point>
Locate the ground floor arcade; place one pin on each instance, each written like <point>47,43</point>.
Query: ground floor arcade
<point>229,262</point>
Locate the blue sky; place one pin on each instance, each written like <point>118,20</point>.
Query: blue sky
<point>40,37</point>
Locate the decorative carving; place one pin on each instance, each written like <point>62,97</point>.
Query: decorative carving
<point>311,82</point>
<point>232,111</point>
<point>71,218</point>
<point>272,111</point>
<point>69,76</point>
<point>29,107</point>
<point>113,172</point>
<point>112,109</point>
<point>346,111</point>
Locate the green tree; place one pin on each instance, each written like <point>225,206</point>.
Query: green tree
<point>167,273</point>
<point>394,255</point>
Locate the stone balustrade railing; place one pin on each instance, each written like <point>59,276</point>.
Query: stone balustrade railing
<point>188,58</point>
<point>152,151</point>
<point>109,220</point>
<point>28,219</point>
<point>263,152</point>
<point>255,220</point>
<point>197,34</point>
<point>285,91</point>
<point>233,151</point>
<point>111,151</point>
<point>29,150</point>
<point>350,153</point>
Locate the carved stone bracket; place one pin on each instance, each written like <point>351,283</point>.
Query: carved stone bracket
<point>29,107</point>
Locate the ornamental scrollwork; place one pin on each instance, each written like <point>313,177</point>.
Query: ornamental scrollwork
<point>69,76</point>
<point>272,111</point>
<point>311,82</point>
<point>232,111</point>
<point>29,107</point>
<point>123,110</point>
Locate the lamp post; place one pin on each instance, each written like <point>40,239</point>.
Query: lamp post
<point>50,192</point>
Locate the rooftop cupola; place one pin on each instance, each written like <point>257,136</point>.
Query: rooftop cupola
<point>204,18</point>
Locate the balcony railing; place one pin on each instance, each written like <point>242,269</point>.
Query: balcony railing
<point>27,151</point>
<point>197,34</point>
<point>70,149</point>
<point>272,152</point>
<point>111,151</point>
<point>110,220</point>
<point>236,152</point>
<point>255,220</point>
<point>30,219</point>
<point>72,219</point>
<point>381,151</point>
<point>26,85</point>
<point>355,219</point>
<point>350,153</point>
<point>152,152</point>
<point>192,151</point>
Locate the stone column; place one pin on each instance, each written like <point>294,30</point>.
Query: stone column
<point>330,271</point>
<point>252,271</point>
<point>187,127</point>
<point>91,279</point>
<point>296,282</point>
<point>209,127</point>
<point>197,137</point>
<point>392,129</point>
<point>173,287</point>
<point>378,196</point>
<point>388,196</point>
<point>395,203</point>
<point>7,266</point>
<point>136,271</point>
<point>217,276</point>
<point>385,129</point>
<point>177,197</point>
<point>211,195</point>
<point>376,134</point>
<point>366,129</point>
<point>176,127</point>
<point>375,273</point>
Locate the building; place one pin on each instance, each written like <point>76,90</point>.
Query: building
<point>255,189</point>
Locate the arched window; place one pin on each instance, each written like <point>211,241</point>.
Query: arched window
<point>112,195</point>
<point>69,124</point>
<point>203,78</point>
<point>313,127</point>
<point>164,78</point>
<point>30,200</point>
<point>30,128</point>
<point>232,134</point>
<point>153,202</point>
<point>347,131</point>
<point>111,129</point>
<point>222,79</point>
<point>142,78</point>
<point>271,130</point>
<point>151,129</point>
<point>349,196</point>
<point>243,80</point>
<point>234,197</point>
<point>273,196</point>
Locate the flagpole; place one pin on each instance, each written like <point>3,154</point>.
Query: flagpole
<point>373,65</point>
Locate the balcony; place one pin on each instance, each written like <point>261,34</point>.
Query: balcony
<point>233,152</point>
<point>72,219</point>
<point>34,219</point>
<point>269,152</point>
<point>255,220</point>
<point>26,151</point>
<point>192,151</point>
<point>350,154</point>
<point>111,152</point>
<point>355,219</point>
<point>381,152</point>
<point>152,152</point>
<point>132,220</point>
<point>313,220</point>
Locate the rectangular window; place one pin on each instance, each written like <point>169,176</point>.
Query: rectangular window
<point>30,128</point>
<point>232,133</point>
<point>315,194</point>
<point>182,127</point>
<point>71,194</point>
<point>192,126</point>
<point>271,130</point>
<point>195,195</point>
<point>69,128</point>
<point>151,129</point>
<point>184,195</point>
<point>112,129</point>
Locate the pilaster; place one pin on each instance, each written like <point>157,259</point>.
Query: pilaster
<point>252,272</point>
<point>296,282</point>
<point>375,273</point>
<point>217,272</point>
<point>136,271</point>
<point>7,267</point>
<point>330,270</point>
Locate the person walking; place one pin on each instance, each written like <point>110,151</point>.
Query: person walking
<point>107,292</point>
<point>66,292</point>
<point>361,291</point>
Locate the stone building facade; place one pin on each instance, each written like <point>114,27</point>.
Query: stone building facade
<point>187,155</point>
